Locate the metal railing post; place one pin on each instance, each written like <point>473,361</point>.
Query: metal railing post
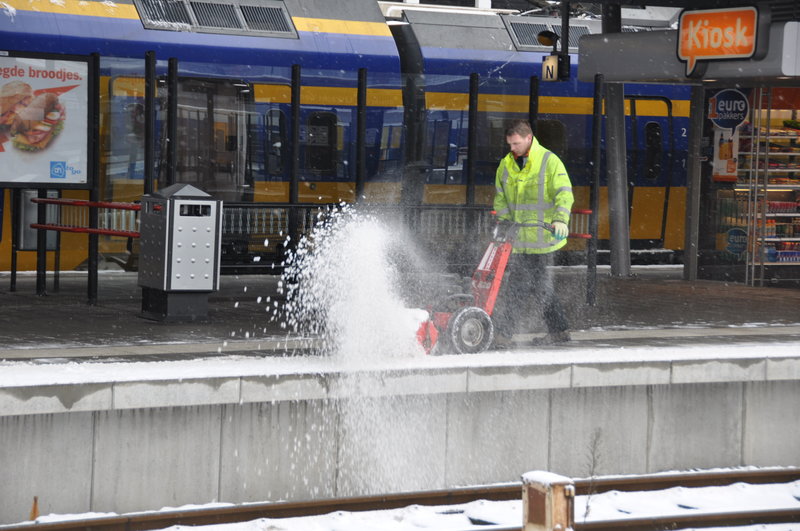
<point>172,120</point>
<point>533,103</point>
<point>294,175</point>
<point>472,136</point>
<point>594,192</point>
<point>94,177</point>
<point>361,134</point>
<point>150,84</point>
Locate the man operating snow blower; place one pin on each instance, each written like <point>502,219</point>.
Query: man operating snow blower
<point>532,187</point>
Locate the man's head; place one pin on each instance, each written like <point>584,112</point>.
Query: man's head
<point>519,137</point>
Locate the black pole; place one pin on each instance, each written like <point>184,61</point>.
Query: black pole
<point>15,231</point>
<point>57,259</point>
<point>94,174</point>
<point>611,18</point>
<point>563,63</point>
<point>172,120</point>
<point>294,173</point>
<point>361,133</point>
<point>41,245</point>
<point>472,137</point>
<point>594,192</point>
<point>150,84</point>
<point>533,103</point>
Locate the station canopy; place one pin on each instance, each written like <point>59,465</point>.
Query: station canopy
<point>655,56</point>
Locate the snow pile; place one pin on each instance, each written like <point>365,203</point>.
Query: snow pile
<point>341,284</point>
<point>482,514</point>
<point>616,505</point>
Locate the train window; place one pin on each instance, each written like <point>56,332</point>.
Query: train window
<point>441,143</point>
<point>552,134</point>
<point>320,142</point>
<point>497,146</point>
<point>276,140</point>
<point>653,150</point>
<point>212,137</point>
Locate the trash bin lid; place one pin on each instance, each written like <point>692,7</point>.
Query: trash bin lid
<point>181,191</point>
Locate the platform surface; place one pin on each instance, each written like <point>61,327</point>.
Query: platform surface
<point>654,308</point>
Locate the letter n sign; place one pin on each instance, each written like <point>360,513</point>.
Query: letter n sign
<point>550,68</point>
<point>714,34</point>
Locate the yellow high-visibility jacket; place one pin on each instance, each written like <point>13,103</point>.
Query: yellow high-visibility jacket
<point>541,191</point>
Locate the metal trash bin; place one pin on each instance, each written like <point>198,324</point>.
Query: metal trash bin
<point>180,234</point>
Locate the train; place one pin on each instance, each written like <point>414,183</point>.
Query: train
<point>236,64</point>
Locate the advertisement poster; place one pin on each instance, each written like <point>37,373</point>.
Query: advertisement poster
<point>726,154</point>
<point>728,110</point>
<point>43,122</point>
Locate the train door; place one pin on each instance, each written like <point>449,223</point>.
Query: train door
<point>651,157</point>
<point>213,137</point>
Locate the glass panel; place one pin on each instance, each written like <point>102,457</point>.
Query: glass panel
<point>212,137</point>
<point>552,134</point>
<point>123,158</point>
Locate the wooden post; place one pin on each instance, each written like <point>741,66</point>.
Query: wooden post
<point>34,509</point>
<point>547,502</point>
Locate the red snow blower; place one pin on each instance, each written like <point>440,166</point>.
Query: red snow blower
<point>462,323</point>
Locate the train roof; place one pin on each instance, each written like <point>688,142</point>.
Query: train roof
<point>320,34</point>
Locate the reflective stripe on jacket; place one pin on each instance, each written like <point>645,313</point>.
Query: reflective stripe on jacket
<point>541,191</point>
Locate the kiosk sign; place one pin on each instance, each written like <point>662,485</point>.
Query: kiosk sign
<point>728,109</point>
<point>714,34</point>
<point>43,122</point>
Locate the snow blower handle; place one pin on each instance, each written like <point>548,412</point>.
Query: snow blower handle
<point>542,224</point>
<point>505,229</point>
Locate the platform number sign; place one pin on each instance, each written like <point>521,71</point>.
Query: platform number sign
<point>550,68</point>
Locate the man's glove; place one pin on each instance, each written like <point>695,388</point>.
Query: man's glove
<point>560,230</point>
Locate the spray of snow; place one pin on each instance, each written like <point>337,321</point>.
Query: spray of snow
<point>344,284</point>
<point>341,284</point>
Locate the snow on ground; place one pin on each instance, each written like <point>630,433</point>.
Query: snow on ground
<point>63,371</point>
<point>612,505</point>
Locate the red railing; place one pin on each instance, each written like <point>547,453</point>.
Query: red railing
<point>113,219</point>
<point>579,224</point>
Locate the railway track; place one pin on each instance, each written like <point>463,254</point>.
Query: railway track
<point>504,492</point>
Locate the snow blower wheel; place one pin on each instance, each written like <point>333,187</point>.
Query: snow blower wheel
<point>470,330</point>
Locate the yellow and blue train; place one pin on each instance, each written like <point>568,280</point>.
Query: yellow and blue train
<point>236,61</point>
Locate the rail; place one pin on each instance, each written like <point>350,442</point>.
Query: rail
<point>255,235</point>
<point>259,222</point>
<point>260,229</point>
<point>504,492</point>
<point>113,219</point>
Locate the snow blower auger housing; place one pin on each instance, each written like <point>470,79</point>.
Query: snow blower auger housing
<point>462,323</point>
